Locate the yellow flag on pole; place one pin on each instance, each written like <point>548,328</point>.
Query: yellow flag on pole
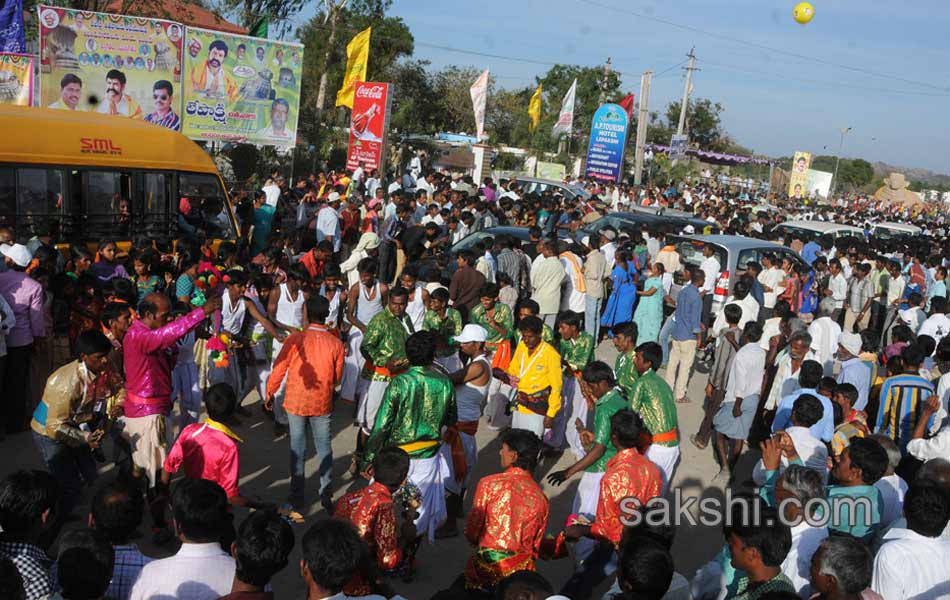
<point>357,55</point>
<point>534,108</point>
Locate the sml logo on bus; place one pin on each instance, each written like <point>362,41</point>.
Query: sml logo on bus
<point>98,146</point>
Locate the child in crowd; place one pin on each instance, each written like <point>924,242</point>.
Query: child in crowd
<point>146,281</point>
<point>106,267</point>
<point>507,294</point>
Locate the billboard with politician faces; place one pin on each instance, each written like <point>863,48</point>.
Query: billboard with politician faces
<point>111,64</point>
<point>241,89</point>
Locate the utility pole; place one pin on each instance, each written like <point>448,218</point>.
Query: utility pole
<point>687,89</point>
<point>834,178</point>
<point>605,82</point>
<point>642,119</point>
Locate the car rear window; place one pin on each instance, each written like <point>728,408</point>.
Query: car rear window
<point>691,251</point>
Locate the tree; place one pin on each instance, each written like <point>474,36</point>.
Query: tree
<point>280,14</point>
<point>703,124</point>
<point>452,85</point>
<point>856,172</point>
<point>325,58</point>
<point>415,107</point>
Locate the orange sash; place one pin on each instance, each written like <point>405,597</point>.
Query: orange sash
<point>453,438</point>
<point>502,354</point>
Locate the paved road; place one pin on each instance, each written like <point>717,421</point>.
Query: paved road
<point>265,474</point>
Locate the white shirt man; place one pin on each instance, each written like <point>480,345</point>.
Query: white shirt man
<point>710,266</point>
<point>750,312</point>
<point>824,332</point>
<point>328,223</point>
<point>574,292</point>
<point>893,489</point>
<point>797,563</point>
<point>838,285</point>
<point>936,326</point>
<point>910,565</point>
<point>196,572</point>
<point>812,451</point>
<point>772,279</point>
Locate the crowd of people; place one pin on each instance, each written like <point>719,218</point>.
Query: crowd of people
<point>832,372</point>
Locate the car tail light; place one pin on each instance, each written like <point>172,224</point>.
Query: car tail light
<point>722,285</point>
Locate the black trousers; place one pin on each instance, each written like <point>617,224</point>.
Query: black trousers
<point>387,262</point>
<point>17,393</point>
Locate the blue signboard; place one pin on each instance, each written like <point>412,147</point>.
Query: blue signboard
<point>608,136</point>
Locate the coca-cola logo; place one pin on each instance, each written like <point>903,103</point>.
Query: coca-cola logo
<point>372,92</point>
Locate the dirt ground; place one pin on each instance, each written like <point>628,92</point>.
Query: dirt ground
<point>265,474</point>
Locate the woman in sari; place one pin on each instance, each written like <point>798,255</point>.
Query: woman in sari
<point>623,296</point>
<point>649,315</point>
<point>793,286</point>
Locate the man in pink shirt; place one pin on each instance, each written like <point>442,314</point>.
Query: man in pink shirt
<point>25,297</point>
<point>149,351</point>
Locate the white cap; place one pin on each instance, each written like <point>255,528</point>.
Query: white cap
<point>850,342</point>
<point>18,253</point>
<point>333,197</point>
<point>472,333</point>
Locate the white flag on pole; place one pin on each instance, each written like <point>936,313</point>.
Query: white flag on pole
<point>479,91</point>
<point>565,120</point>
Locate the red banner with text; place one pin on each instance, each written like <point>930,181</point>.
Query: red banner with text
<point>369,126</point>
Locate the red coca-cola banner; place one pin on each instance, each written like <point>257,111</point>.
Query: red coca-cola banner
<point>369,126</point>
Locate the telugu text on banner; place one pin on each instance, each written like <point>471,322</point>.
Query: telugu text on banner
<point>111,64</point>
<point>241,89</point>
<point>16,79</point>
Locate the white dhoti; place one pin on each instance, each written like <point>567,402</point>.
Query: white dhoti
<point>149,438</point>
<point>587,495</point>
<point>528,421</point>
<point>498,396</point>
<point>352,366</point>
<point>187,392</point>
<point>450,363</point>
<point>666,459</point>
<point>577,406</point>
<point>429,475</point>
<point>471,455</point>
<point>369,405</point>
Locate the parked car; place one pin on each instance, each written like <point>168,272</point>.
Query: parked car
<point>533,185</point>
<point>812,229</point>
<point>887,230</point>
<point>631,221</point>
<point>734,253</point>
<point>443,265</point>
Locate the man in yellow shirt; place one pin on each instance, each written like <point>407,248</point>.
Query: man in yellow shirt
<point>535,371</point>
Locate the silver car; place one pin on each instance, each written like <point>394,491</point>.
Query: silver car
<point>533,185</point>
<point>734,253</point>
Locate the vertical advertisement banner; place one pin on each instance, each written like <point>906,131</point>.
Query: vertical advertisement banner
<point>369,126</point>
<point>565,119</point>
<point>111,64</point>
<point>678,147</point>
<point>798,179</point>
<point>608,136</point>
<point>16,79</point>
<point>241,89</point>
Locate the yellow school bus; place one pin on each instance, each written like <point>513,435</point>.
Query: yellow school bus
<point>81,178</point>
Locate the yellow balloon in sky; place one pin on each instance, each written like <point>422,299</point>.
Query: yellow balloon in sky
<point>803,12</point>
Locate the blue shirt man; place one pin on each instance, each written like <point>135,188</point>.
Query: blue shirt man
<point>689,308</point>
<point>810,251</point>
<point>824,429</point>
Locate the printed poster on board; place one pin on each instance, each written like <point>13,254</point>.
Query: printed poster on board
<point>16,79</point>
<point>241,89</point>
<point>798,179</point>
<point>608,136</point>
<point>111,64</point>
<point>369,125</point>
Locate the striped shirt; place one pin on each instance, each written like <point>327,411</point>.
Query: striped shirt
<point>169,121</point>
<point>902,398</point>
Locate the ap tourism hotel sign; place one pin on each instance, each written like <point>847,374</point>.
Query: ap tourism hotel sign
<point>608,136</point>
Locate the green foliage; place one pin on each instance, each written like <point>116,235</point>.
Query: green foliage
<point>245,159</point>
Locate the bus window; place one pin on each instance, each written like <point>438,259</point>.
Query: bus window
<point>107,207</point>
<point>154,212</point>
<point>7,196</point>
<point>203,207</point>
<point>40,194</point>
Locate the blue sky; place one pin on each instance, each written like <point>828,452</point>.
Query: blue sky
<point>774,103</point>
